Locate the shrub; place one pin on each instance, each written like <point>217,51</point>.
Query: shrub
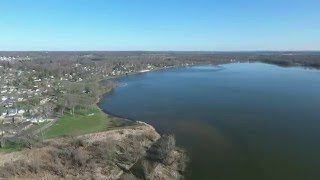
<point>102,151</point>
<point>58,169</point>
<point>79,158</point>
<point>17,168</point>
<point>128,176</point>
<point>159,150</point>
<point>77,143</point>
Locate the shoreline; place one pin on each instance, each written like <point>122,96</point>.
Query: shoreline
<point>137,138</point>
<point>270,65</point>
<point>102,95</point>
<point>118,121</point>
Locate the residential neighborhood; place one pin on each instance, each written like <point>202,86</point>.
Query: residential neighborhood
<point>20,92</point>
<point>32,94</point>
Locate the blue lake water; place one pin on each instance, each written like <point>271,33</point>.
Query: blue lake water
<point>237,121</point>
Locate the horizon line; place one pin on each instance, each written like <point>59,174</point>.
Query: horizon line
<point>159,51</point>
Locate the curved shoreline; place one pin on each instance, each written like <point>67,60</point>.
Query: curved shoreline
<point>129,108</point>
<point>104,94</point>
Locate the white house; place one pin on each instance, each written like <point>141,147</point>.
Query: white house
<point>21,111</point>
<point>3,98</point>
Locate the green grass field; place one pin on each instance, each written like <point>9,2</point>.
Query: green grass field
<point>82,122</point>
<point>11,147</point>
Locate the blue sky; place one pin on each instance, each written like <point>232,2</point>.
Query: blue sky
<point>182,25</point>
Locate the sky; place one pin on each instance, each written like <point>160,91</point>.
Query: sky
<point>159,25</point>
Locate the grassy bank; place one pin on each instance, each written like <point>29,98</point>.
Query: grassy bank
<point>12,146</point>
<point>83,121</point>
<point>15,145</point>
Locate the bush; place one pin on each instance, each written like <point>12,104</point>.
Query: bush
<point>128,176</point>
<point>129,151</point>
<point>102,151</point>
<point>160,150</point>
<point>58,169</point>
<point>79,158</point>
<point>19,167</point>
<point>7,170</point>
<point>151,136</point>
<point>34,167</point>
<point>77,143</point>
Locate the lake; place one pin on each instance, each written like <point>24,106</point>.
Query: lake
<point>237,121</point>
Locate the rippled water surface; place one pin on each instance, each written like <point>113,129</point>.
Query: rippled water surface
<point>237,121</point>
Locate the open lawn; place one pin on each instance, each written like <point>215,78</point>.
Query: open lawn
<point>82,122</point>
<point>11,147</point>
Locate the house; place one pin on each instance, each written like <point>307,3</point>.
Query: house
<point>3,98</point>
<point>8,103</point>
<point>20,99</point>
<point>21,111</point>
<point>12,112</point>
<point>38,120</point>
